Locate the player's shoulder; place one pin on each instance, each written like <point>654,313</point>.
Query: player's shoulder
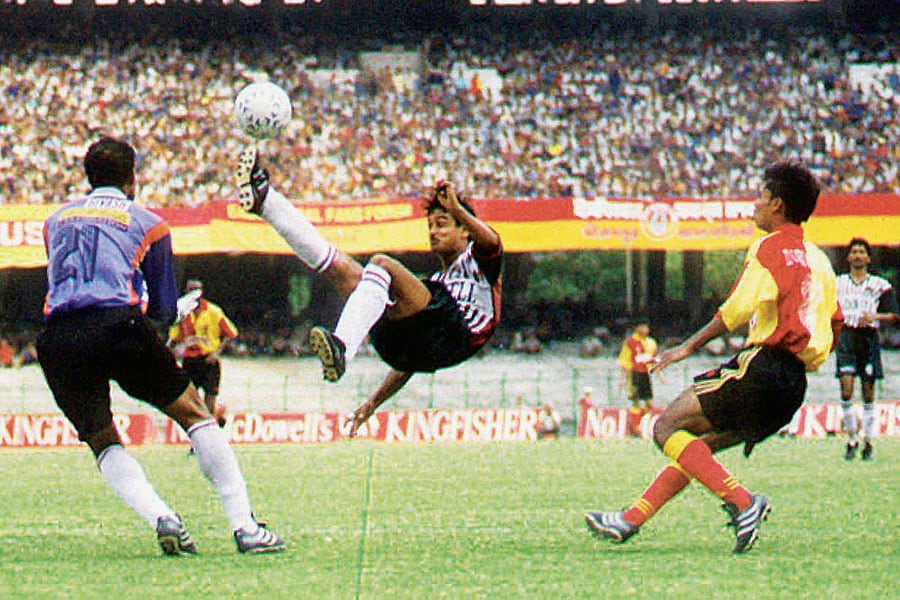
<point>879,283</point>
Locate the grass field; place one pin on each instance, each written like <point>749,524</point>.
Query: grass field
<point>369,520</point>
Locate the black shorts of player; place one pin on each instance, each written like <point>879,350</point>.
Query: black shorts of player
<point>205,376</point>
<point>427,341</point>
<point>754,394</point>
<point>640,387</point>
<point>858,352</point>
<point>82,351</point>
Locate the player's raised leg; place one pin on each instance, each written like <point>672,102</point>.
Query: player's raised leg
<point>257,196</point>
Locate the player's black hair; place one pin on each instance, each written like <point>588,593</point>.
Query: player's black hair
<point>858,241</point>
<point>797,187</point>
<point>431,204</point>
<point>109,162</point>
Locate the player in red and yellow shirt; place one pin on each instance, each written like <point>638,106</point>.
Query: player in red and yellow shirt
<point>787,294</point>
<point>199,340</point>
<point>637,355</point>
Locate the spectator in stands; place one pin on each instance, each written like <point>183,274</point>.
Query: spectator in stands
<point>574,116</point>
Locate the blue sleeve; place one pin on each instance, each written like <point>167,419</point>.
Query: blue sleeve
<point>158,268</point>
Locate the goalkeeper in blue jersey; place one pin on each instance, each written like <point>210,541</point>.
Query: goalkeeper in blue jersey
<point>109,272</point>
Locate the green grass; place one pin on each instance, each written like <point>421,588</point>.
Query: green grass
<point>372,520</point>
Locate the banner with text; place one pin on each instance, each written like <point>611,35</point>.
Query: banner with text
<point>526,225</point>
<point>811,421</point>
<point>54,430</point>
<point>457,425</point>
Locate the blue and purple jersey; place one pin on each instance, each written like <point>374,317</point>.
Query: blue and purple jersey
<point>106,251</point>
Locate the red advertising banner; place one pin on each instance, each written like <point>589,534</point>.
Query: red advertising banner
<point>811,421</point>
<point>472,425</point>
<point>49,431</point>
<point>410,426</point>
<point>526,225</point>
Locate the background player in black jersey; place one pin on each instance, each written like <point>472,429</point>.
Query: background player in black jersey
<point>867,301</point>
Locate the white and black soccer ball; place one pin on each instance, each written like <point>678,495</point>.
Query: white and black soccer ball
<point>262,109</point>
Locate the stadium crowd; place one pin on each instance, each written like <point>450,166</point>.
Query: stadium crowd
<point>594,114</point>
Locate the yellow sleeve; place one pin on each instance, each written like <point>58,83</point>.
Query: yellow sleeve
<point>754,286</point>
<point>175,333</point>
<point>625,356</point>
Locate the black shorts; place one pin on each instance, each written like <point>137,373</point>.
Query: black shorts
<point>81,352</point>
<point>639,386</point>
<point>430,340</point>
<point>858,352</point>
<point>204,376</point>
<point>754,394</point>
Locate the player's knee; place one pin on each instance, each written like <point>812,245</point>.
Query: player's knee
<point>188,409</point>
<point>384,261</point>
<point>662,430</point>
<point>103,439</point>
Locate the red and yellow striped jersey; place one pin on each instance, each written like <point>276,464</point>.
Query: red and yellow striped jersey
<point>201,332</point>
<point>787,292</point>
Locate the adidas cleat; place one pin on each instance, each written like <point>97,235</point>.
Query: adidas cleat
<point>610,525</point>
<point>173,536</point>
<point>262,540</point>
<point>746,524</point>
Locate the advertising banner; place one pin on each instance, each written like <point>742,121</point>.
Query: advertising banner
<point>410,426</point>
<point>526,225</point>
<point>54,430</point>
<point>811,421</point>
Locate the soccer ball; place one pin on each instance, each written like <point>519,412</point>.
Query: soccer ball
<point>262,109</point>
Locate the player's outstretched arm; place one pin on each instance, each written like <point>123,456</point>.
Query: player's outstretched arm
<point>486,239</point>
<point>392,383</point>
<point>713,329</point>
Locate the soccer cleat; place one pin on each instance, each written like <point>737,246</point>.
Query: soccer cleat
<point>850,452</point>
<point>746,523</point>
<point>330,349</point>
<point>173,536</point>
<point>252,181</point>
<point>261,541</point>
<point>867,451</point>
<point>610,526</point>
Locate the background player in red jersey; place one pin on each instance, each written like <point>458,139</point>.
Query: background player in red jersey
<point>867,301</point>
<point>198,340</point>
<point>787,294</point>
<point>415,325</point>
<point>636,357</point>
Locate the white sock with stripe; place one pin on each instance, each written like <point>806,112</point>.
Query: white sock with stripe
<point>868,421</point>
<point>298,231</point>
<point>363,308</point>
<point>850,422</point>
<point>219,464</point>
<point>125,476</point>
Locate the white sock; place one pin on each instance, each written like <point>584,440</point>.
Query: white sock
<point>363,308</point>
<point>297,230</point>
<point>126,477</point>
<point>868,421</point>
<point>219,463</point>
<point>850,424</point>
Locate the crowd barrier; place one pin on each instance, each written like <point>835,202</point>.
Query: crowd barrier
<point>522,424</point>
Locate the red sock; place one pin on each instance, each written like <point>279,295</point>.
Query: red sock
<point>697,459</point>
<point>633,421</point>
<point>666,485</point>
